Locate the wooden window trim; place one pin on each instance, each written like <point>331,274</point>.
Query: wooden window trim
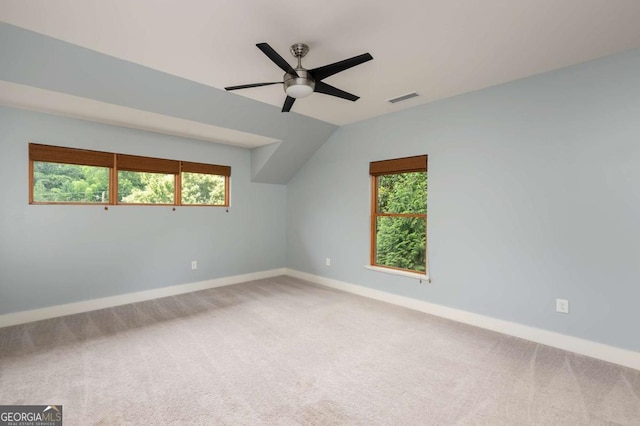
<point>113,181</point>
<point>31,182</point>
<point>177,190</point>
<point>147,204</point>
<point>374,219</point>
<point>388,167</point>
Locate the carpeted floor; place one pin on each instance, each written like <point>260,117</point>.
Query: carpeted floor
<point>282,351</point>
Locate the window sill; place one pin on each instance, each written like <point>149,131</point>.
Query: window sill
<point>414,275</point>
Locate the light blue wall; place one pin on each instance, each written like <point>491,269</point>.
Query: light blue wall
<point>50,255</point>
<point>534,194</point>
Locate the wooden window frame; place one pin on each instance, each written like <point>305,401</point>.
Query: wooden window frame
<point>124,162</point>
<point>389,167</point>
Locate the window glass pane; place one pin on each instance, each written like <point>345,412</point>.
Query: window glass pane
<point>402,193</point>
<point>145,188</point>
<point>401,242</point>
<point>71,183</point>
<point>201,188</point>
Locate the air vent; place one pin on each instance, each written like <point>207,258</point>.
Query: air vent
<point>403,97</point>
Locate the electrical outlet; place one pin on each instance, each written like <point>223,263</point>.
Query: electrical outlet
<point>327,262</point>
<point>194,264</point>
<point>562,306</point>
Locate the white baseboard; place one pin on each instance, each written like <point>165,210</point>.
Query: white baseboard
<point>123,299</point>
<point>577,345</point>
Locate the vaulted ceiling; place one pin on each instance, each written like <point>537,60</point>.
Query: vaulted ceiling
<point>436,48</point>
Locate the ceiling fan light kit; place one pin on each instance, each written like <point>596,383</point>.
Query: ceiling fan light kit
<point>299,86</point>
<point>299,82</point>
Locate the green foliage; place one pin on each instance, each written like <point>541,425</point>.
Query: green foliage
<point>198,188</point>
<point>145,188</point>
<point>55,182</point>
<point>401,241</point>
<point>402,193</point>
<point>127,182</point>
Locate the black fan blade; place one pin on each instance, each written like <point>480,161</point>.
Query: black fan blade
<point>288,103</point>
<point>277,59</point>
<point>331,69</point>
<point>327,89</point>
<point>246,86</point>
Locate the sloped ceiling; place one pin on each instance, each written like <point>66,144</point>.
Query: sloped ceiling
<point>68,72</point>
<point>141,54</point>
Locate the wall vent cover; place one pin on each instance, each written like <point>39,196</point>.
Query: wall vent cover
<point>403,98</point>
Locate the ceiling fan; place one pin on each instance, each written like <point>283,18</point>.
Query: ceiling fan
<point>299,82</point>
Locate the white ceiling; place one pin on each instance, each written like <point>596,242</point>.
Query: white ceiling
<point>438,48</point>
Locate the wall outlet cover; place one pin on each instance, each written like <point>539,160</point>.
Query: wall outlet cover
<point>562,306</point>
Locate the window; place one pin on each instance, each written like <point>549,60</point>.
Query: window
<point>204,184</point>
<point>399,213</point>
<point>69,176</point>
<point>70,183</point>
<point>145,188</point>
<point>61,175</point>
<point>144,180</point>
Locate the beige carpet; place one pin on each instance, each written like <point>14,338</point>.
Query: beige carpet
<point>285,352</point>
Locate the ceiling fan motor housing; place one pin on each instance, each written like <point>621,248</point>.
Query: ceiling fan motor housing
<point>300,86</point>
